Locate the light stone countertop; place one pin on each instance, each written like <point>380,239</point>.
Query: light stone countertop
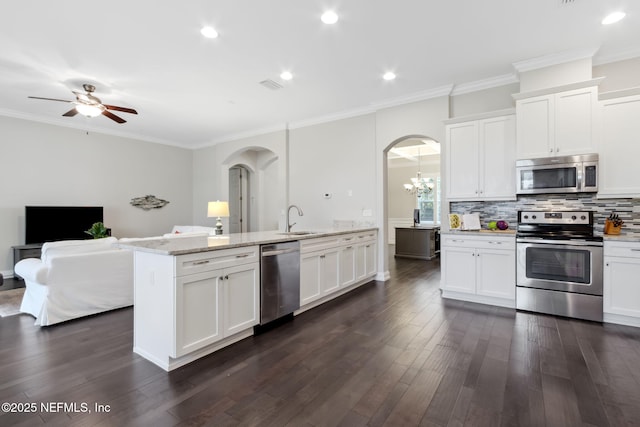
<point>194,244</point>
<point>481,232</point>
<point>632,237</point>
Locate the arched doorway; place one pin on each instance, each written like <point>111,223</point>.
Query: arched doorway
<point>252,179</point>
<point>397,203</point>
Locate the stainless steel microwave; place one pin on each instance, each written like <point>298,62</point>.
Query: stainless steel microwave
<point>561,174</point>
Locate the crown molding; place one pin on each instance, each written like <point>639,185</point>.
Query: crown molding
<point>375,106</point>
<point>553,59</point>
<point>555,89</point>
<point>436,92</point>
<point>483,84</point>
<point>241,135</point>
<point>83,127</point>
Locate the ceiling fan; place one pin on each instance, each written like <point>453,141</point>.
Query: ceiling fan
<point>90,106</point>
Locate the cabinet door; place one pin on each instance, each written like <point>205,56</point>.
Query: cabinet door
<point>574,121</point>
<point>535,127</point>
<point>310,277</point>
<point>370,258</point>
<point>619,149</point>
<point>498,158</point>
<point>496,273</point>
<point>621,286</point>
<point>241,298</point>
<point>458,267</point>
<point>462,161</point>
<point>197,311</point>
<point>330,272</point>
<point>347,265</point>
<point>361,261</point>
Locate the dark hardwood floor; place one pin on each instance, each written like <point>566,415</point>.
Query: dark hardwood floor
<point>387,354</point>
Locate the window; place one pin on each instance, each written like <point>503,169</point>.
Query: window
<point>429,204</point>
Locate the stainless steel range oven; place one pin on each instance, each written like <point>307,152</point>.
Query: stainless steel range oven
<point>559,264</point>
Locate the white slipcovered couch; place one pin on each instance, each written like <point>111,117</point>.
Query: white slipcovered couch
<point>76,278</point>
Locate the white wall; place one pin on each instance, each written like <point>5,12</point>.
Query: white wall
<point>51,165</point>
<point>337,158</point>
<point>619,75</point>
<point>483,101</point>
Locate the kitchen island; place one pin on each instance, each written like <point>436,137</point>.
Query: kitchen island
<point>420,242</point>
<point>194,295</point>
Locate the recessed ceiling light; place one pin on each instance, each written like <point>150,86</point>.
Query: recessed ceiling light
<point>613,18</point>
<point>389,75</point>
<point>286,75</point>
<point>209,32</point>
<point>329,17</point>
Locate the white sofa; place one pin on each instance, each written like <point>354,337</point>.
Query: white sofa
<point>76,278</point>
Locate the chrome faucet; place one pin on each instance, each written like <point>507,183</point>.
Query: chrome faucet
<point>289,225</point>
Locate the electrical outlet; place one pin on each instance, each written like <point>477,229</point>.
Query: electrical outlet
<point>367,212</point>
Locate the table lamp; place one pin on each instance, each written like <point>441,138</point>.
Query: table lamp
<point>218,209</point>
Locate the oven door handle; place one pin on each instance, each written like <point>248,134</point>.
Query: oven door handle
<point>543,241</point>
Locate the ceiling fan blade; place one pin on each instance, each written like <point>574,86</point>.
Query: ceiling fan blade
<point>113,116</point>
<point>49,99</point>
<point>71,113</point>
<point>123,109</point>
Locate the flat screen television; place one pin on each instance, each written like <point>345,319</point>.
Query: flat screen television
<point>52,223</point>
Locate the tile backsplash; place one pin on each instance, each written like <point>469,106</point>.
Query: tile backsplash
<point>627,209</point>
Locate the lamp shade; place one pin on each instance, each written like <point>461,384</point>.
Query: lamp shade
<point>217,209</point>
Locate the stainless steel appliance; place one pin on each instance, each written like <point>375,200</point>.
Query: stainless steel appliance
<point>279,280</point>
<point>561,174</point>
<point>559,264</point>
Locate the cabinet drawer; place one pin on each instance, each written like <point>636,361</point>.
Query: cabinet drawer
<point>366,236</point>
<point>488,242</point>
<point>212,260</point>
<point>312,245</point>
<point>622,249</point>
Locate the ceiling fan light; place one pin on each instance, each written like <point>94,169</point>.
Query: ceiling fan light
<point>89,110</point>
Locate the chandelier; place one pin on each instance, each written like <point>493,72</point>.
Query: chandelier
<point>419,186</point>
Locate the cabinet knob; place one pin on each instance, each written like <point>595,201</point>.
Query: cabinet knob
<point>607,264</point>
<point>558,150</point>
<point>551,150</point>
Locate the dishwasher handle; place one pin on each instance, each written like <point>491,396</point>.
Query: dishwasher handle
<point>279,252</point>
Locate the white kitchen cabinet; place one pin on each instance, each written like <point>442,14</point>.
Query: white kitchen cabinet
<point>557,124</point>
<point>197,312</point>
<point>241,298</point>
<point>214,305</point>
<point>329,266</point>
<point>190,305</point>
<point>480,158</point>
<point>319,275</point>
<point>347,264</point>
<point>479,268</point>
<point>618,148</point>
<point>621,287</point>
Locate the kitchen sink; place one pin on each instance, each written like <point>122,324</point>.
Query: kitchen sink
<point>297,233</point>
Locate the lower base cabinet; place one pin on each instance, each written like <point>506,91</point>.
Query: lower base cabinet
<point>621,288</point>
<point>329,265</point>
<point>185,305</point>
<point>479,269</point>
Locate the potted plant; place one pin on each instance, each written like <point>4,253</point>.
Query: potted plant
<point>98,230</point>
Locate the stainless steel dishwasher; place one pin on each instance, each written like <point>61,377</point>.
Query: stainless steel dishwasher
<point>279,280</point>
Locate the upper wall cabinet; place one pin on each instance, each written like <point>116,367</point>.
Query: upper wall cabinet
<point>618,148</point>
<point>556,124</point>
<point>480,159</point>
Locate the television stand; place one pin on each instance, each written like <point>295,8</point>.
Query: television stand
<point>21,252</point>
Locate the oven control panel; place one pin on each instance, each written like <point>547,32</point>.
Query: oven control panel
<point>555,217</point>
